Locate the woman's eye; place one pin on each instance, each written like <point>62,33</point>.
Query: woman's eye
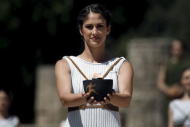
<point>89,26</point>
<point>187,77</point>
<point>100,26</point>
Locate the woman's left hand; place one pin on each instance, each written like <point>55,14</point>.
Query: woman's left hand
<point>108,98</point>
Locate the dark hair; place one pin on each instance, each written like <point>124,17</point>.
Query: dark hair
<point>184,70</point>
<point>170,46</point>
<point>7,92</point>
<point>95,8</point>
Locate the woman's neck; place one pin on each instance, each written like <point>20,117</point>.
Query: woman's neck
<point>3,115</point>
<point>94,54</point>
<point>186,96</point>
<point>175,59</point>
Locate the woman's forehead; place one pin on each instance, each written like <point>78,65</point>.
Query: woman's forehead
<point>3,94</point>
<point>187,72</point>
<point>94,18</point>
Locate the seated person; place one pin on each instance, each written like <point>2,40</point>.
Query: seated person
<point>179,109</point>
<point>6,120</point>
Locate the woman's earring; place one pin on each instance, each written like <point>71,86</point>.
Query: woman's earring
<point>82,37</point>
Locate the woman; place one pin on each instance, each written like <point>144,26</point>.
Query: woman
<point>169,75</point>
<point>94,27</point>
<point>6,120</point>
<point>179,109</point>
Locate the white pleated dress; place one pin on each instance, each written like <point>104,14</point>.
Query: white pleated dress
<point>92,117</point>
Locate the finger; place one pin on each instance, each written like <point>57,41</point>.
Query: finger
<point>85,95</point>
<point>109,96</point>
<point>91,100</point>
<point>107,101</point>
<point>102,103</point>
<point>88,94</point>
<point>94,102</point>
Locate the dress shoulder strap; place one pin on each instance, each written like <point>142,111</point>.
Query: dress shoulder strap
<point>105,74</point>
<point>111,67</point>
<point>78,68</point>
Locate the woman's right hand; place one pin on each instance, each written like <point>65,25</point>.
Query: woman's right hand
<point>175,91</point>
<point>89,100</point>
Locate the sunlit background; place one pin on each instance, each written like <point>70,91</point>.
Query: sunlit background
<point>34,34</point>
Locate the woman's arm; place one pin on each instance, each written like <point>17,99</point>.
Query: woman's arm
<point>170,118</point>
<point>161,80</point>
<point>63,83</point>
<point>174,91</point>
<point>125,83</point>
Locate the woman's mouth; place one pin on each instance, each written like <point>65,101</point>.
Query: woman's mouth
<point>94,38</point>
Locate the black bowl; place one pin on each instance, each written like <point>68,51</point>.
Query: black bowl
<point>98,88</point>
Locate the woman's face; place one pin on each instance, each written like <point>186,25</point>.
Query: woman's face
<point>4,101</point>
<point>94,30</point>
<point>176,48</point>
<point>186,80</point>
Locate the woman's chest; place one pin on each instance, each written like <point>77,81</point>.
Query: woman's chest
<point>92,72</point>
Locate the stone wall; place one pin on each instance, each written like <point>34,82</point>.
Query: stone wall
<point>49,110</point>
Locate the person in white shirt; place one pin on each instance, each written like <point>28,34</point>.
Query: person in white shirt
<point>6,120</point>
<point>179,109</point>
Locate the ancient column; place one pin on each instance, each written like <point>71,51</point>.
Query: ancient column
<point>145,55</point>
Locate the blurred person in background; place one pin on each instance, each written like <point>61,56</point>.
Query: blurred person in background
<point>169,75</point>
<point>6,120</point>
<point>62,123</point>
<point>179,109</point>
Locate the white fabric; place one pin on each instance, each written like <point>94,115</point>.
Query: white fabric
<point>12,121</point>
<point>181,112</point>
<point>92,117</point>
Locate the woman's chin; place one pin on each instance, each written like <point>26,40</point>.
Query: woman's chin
<point>96,44</point>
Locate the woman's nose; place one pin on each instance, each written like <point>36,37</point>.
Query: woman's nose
<point>94,30</point>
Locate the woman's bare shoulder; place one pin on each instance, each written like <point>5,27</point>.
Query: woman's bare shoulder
<point>62,64</point>
<point>126,64</point>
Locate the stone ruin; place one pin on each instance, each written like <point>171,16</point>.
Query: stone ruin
<point>145,108</point>
<point>49,110</point>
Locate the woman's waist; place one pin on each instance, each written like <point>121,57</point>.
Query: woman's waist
<point>93,111</point>
<point>94,106</point>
